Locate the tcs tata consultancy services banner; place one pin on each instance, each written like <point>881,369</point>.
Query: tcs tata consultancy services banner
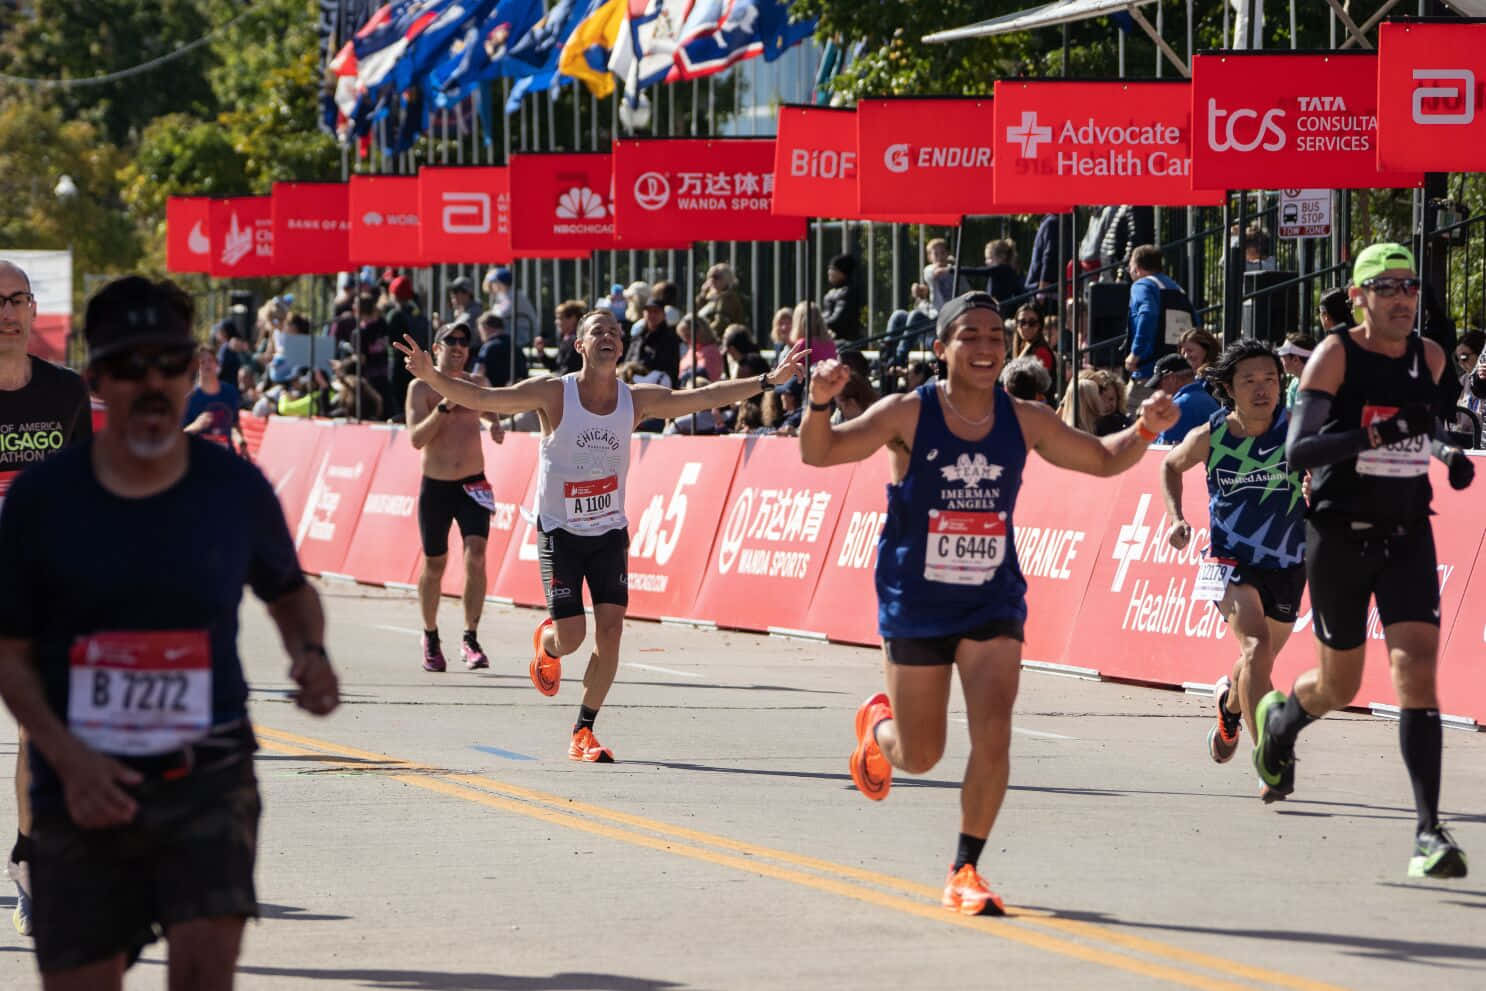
<point>1107,142</point>
<point>1284,121</point>
<point>1430,113</point>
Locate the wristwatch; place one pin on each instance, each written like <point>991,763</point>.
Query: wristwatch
<point>763,382</point>
<point>444,407</point>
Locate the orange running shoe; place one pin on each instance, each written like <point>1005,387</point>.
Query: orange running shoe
<point>587,749</point>
<point>546,670</point>
<point>870,770</point>
<point>966,892</point>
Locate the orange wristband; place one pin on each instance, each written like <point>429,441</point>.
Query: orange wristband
<point>1144,432</point>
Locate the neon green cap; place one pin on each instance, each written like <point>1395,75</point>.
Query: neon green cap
<point>1376,259</point>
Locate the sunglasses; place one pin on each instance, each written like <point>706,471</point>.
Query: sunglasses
<point>133,366</point>
<point>1028,322</point>
<point>1388,288</point>
<point>18,299</point>
<point>456,340</point>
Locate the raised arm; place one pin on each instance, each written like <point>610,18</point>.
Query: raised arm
<point>1066,447</point>
<point>656,401</point>
<point>538,394</point>
<point>823,443</point>
<point>1191,452</point>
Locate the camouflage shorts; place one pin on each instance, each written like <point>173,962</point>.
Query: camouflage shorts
<point>189,854</point>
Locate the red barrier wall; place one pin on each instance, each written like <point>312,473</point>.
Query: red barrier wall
<point>343,474</point>
<point>509,466</point>
<point>385,547</point>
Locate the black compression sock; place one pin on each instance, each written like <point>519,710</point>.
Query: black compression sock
<point>1286,724</point>
<point>1230,719</point>
<point>432,635</point>
<point>586,716</point>
<point>21,852</point>
<point>1420,739</point>
<point>968,851</point>
<point>469,636</point>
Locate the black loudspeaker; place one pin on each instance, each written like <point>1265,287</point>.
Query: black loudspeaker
<point>1274,314</point>
<point>1109,314</point>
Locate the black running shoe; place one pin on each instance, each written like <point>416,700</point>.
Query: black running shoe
<point>1436,855</point>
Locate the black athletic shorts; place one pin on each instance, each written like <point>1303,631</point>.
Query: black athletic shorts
<point>1279,589</point>
<point>934,651</point>
<point>568,560</point>
<point>1348,564</point>
<point>441,504</point>
<point>187,855</point>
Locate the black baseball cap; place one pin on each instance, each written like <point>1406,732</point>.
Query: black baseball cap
<point>1171,364</point>
<point>457,327</point>
<point>133,313</point>
<point>961,305</point>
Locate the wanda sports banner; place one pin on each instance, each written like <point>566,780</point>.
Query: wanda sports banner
<point>1287,122</point>
<point>341,475</point>
<point>241,238</point>
<point>1109,142</point>
<point>384,220</point>
<point>561,203</point>
<point>311,227</point>
<point>1430,112</point>
<point>690,189</point>
<point>468,214</point>
<point>188,243</point>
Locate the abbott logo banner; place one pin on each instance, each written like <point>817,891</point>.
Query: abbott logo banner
<point>466,213</point>
<point>1430,95</point>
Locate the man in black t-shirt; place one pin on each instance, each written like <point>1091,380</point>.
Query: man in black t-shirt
<point>43,408</point>
<point>118,656</point>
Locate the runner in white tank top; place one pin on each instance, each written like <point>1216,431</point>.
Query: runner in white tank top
<point>587,420</point>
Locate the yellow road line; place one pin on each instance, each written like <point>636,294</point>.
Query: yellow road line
<point>571,814</point>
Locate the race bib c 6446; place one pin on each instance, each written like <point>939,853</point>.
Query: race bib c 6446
<point>964,548</point>
<point>140,692</point>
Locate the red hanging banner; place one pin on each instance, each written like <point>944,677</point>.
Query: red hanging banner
<point>1288,121</point>
<point>561,204</point>
<point>468,211</point>
<point>384,220</point>
<point>1105,142</point>
<point>1430,112</point>
<point>241,238</point>
<point>705,189</point>
<point>188,243</point>
<point>311,227</point>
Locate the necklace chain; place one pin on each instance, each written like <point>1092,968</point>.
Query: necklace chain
<point>944,393</point>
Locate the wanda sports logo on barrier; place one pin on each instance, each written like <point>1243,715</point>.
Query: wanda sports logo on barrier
<point>692,190</point>
<point>1431,90</point>
<point>760,517</point>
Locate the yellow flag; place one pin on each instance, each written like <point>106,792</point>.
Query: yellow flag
<point>591,42</point>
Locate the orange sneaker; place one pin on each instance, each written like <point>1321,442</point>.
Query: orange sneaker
<point>870,770</point>
<point>587,749</point>
<point>546,670</point>
<point>966,892</point>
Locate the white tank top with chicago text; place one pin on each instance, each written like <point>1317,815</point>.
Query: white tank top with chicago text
<point>583,464</point>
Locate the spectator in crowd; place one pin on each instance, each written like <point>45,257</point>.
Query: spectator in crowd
<point>1026,378</point>
<point>917,373</point>
<point>345,293</point>
<point>1128,228</point>
<point>462,305</point>
<point>1175,376</point>
<point>636,295</point>
<point>1095,403</point>
<point>1293,354</point>
<point>352,396</point>
<point>780,328</point>
<point>271,315</point>
<point>247,389</point>
<point>842,306</point>
<point>751,366</point>
<point>701,424</point>
<point>750,418</point>
<point>307,394</point>
<point>908,331</point>
<point>616,304</point>
<point>1200,347</point>
<point>212,407</point>
<point>854,399</point>
<point>496,354</point>
<point>940,276</point>
<point>719,302</point>
<point>783,407</point>
<point>737,343</point>
<point>1257,252</point>
<point>229,356</point>
<point>372,347</point>
<point>1004,280</point>
<point>513,307</point>
<point>657,346</point>
<point>1159,312</point>
<point>281,363</point>
<point>698,344</point>
<point>1468,355</point>
<point>1047,257</point>
<point>807,325</point>
<point>669,296</point>
<point>568,314</point>
<point>404,317</point>
<point>853,359</point>
<point>1335,311</point>
<point>1030,341</point>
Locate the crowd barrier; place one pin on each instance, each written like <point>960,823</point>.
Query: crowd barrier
<point>735,532</point>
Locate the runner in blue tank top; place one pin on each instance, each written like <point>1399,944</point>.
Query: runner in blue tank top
<point>1255,567</point>
<point>949,587</point>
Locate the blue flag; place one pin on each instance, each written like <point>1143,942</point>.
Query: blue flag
<point>481,54</point>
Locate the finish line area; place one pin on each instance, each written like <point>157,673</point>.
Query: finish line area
<point>433,833</point>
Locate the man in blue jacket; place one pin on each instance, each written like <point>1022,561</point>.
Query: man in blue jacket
<point>1159,314</point>
<point>1175,376</point>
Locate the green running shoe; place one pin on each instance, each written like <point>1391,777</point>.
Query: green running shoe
<point>1276,770</point>
<point>1436,855</point>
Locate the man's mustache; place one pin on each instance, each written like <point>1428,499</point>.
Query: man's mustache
<point>151,402</point>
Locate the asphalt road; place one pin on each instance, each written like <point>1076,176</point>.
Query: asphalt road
<point>432,834</point>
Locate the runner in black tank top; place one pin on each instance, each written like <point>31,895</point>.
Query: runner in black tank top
<point>1365,425</point>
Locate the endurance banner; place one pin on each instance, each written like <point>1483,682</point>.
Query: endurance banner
<point>561,203</point>
<point>311,227</point>
<point>1430,113</point>
<point>384,220</point>
<point>1106,142</point>
<point>468,214</point>
<point>188,245</point>
<point>683,189</point>
<point>241,238</point>
<point>1288,122</point>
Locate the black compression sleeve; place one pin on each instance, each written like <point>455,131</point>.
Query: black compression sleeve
<point>1306,447</point>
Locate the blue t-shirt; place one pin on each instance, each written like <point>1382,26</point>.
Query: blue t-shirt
<point>1196,406</point>
<point>76,560</point>
<point>1255,503</point>
<point>223,405</point>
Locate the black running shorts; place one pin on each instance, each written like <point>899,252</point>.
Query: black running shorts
<point>936,651</point>
<point>1350,564</point>
<point>568,560</point>
<point>1279,589</point>
<point>441,504</point>
<point>187,855</point>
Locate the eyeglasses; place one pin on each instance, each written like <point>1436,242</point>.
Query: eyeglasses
<point>1388,288</point>
<point>18,299</point>
<point>133,366</point>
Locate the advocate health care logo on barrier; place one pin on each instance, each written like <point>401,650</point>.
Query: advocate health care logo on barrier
<point>698,189</point>
<point>311,227</point>
<point>1280,121</point>
<point>1432,96</point>
<point>188,244</point>
<point>561,202</point>
<point>241,238</point>
<point>384,220</point>
<point>468,211</point>
<point>1108,142</point>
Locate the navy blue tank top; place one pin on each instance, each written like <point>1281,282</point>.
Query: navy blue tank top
<point>946,561</point>
<point>1255,504</point>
